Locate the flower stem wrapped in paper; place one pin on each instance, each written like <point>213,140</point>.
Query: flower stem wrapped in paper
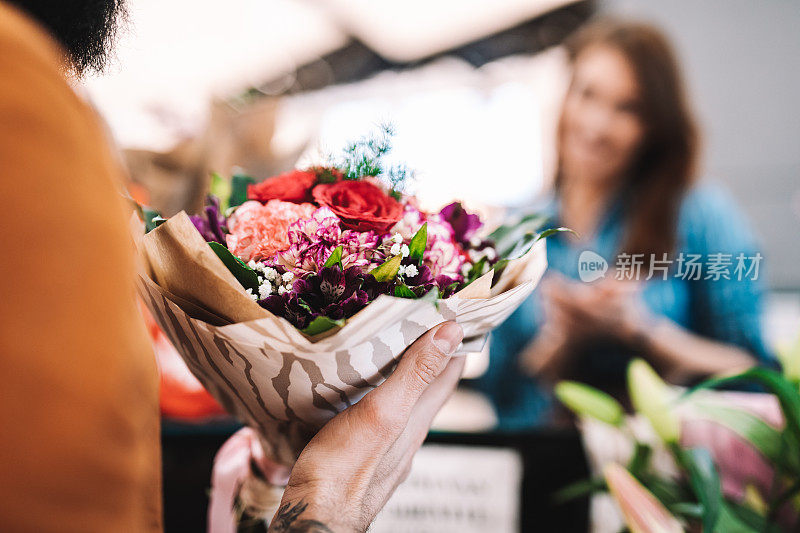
<point>294,304</point>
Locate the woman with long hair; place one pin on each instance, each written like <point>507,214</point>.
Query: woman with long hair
<point>682,286</point>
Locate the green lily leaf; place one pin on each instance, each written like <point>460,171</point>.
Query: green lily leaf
<point>579,489</point>
<point>221,188</point>
<point>243,273</point>
<point>764,438</point>
<point>705,482</point>
<point>402,291</point>
<point>641,459</point>
<point>736,518</point>
<point>784,389</point>
<point>321,324</point>
<point>335,258</point>
<point>388,270</point>
<point>239,183</point>
<point>584,400</point>
<point>419,242</point>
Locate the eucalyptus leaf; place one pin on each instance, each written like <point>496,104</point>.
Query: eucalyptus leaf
<point>335,258</point>
<point>321,324</point>
<point>243,273</point>
<point>419,242</point>
<point>388,270</point>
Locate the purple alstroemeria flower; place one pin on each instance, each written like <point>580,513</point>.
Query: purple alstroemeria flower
<point>465,225</point>
<point>332,292</point>
<point>212,226</point>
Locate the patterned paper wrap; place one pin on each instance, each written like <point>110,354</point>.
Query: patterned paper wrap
<point>285,385</point>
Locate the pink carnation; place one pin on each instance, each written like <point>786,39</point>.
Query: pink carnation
<point>258,232</point>
<point>312,240</point>
<point>443,255</point>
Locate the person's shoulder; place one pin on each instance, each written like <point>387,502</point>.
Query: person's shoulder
<point>23,41</point>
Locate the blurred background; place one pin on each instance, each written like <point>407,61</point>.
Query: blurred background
<point>473,89</point>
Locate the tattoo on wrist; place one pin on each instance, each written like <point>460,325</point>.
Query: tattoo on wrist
<point>288,520</point>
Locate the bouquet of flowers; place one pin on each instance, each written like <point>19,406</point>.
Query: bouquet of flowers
<point>291,298</point>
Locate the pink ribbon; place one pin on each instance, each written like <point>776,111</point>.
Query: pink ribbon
<point>231,469</point>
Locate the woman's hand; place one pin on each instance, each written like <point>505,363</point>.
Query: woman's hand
<point>575,312</point>
<point>608,308</point>
<point>351,467</point>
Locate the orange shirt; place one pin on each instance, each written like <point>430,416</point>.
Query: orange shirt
<point>78,397</point>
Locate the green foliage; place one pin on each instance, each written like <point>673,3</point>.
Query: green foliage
<point>239,183</point>
<point>335,258</point>
<point>402,291</point>
<point>243,273</point>
<point>705,482</point>
<point>321,324</point>
<point>419,242</point>
<point>365,158</point>
<point>763,437</point>
<point>222,189</point>
<point>784,390</point>
<point>697,497</point>
<point>388,270</point>
<point>152,219</point>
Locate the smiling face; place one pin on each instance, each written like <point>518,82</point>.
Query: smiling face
<point>601,125</point>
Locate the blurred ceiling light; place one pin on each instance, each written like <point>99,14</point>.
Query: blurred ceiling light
<point>416,29</point>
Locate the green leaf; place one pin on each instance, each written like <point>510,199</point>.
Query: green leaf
<point>552,231</point>
<point>784,389</point>
<point>321,324</point>
<point>506,236</point>
<point>666,490</point>
<point>402,291</point>
<point>388,270</point>
<point>735,518</point>
<point>763,437</point>
<point>476,270</point>
<point>688,509</point>
<point>243,273</point>
<point>588,401</point>
<point>641,459</point>
<point>221,188</point>
<point>239,183</point>
<point>335,258</point>
<point>419,242</point>
<point>705,482</point>
<point>579,489</point>
<point>152,219</point>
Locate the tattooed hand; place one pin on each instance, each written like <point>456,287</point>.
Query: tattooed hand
<point>350,468</point>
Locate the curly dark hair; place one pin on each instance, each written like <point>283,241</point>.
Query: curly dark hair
<point>85,28</point>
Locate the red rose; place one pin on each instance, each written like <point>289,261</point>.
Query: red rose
<point>361,205</point>
<point>294,186</point>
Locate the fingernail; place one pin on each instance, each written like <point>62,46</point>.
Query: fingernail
<point>448,337</point>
